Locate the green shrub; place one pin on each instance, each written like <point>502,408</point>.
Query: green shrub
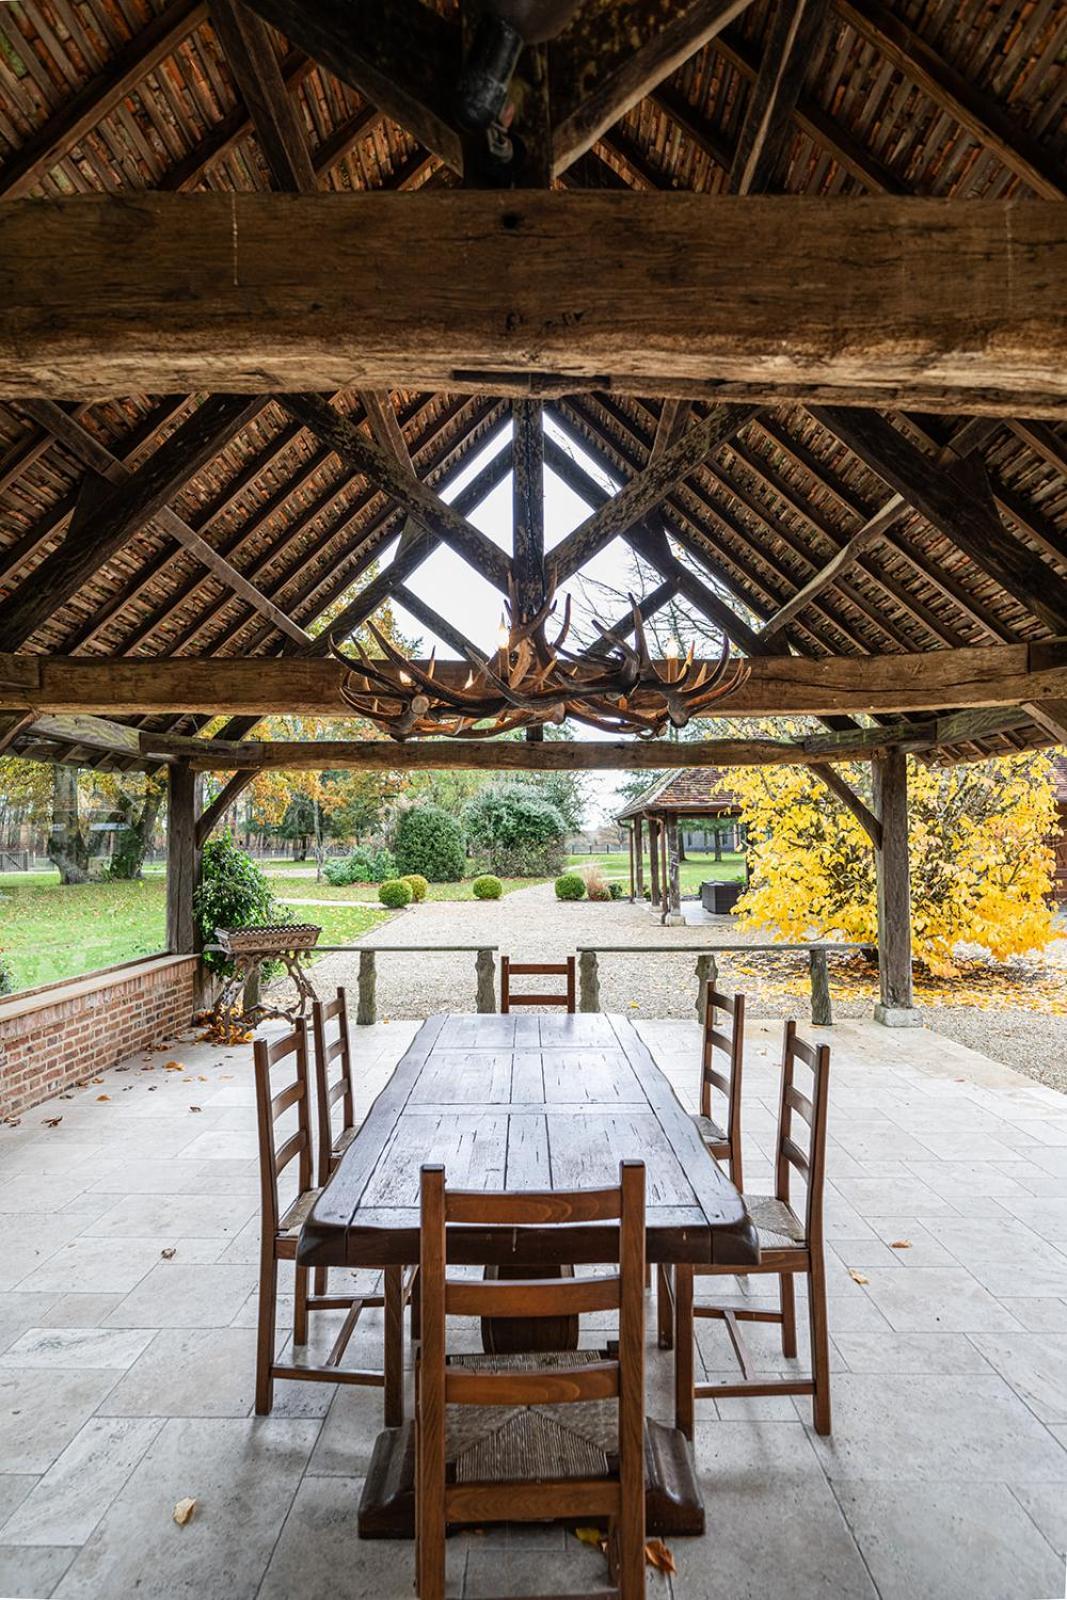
<point>571,886</point>
<point>362,866</point>
<point>232,893</point>
<point>519,831</point>
<point>7,979</point>
<point>419,885</point>
<point>615,888</point>
<point>431,842</point>
<point>395,893</point>
<point>487,887</point>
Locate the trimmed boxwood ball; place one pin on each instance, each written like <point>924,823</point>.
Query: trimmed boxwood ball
<point>570,886</point>
<point>487,887</point>
<point>419,885</point>
<point>431,842</point>
<point>395,893</point>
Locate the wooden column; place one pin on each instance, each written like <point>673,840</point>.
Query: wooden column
<point>639,857</point>
<point>633,867</point>
<point>653,858</point>
<point>672,865</point>
<point>183,858</point>
<point>895,1008</point>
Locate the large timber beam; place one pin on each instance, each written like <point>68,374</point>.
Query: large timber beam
<point>667,294</point>
<point>997,675</point>
<point>792,36</point>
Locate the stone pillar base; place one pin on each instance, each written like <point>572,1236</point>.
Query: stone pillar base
<point>897,1016</point>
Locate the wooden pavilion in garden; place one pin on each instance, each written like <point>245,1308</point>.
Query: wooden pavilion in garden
<point>273,272</point>
<point>691,795</point>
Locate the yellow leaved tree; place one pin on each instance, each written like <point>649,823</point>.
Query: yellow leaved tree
<point>980,838</point>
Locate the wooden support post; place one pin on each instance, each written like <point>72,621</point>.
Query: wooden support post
<point>664,873</point>
<point>821,1011</point>
<point>588,981</point>
<point>633,865</point>
<point>639,857</point>
<point>653,859</point>
<point>707,970</point>
<point>183,858</point>
<point>673,857</point>
<point>895,1008</point>
<point>367,1003</point>
<point>485,970</point>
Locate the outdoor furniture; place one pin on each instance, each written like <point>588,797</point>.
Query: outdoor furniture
<point>249,949</point>
<point>594,1407</point>
<point>533,1103</point>
<point>718,898</point>
<point>332,1145</point>
<point>280,1229</point>
<point>554,969</point>
<point>788,1245</point>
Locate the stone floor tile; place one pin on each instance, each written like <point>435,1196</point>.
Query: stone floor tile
<point>346,1441</point>
<point>949,1541</point>
<point>225,1145</point>
<point>14,1487</point>
<point>77,1348</point>
<point>28,1240</point>
<point>79,1310</point>
<point>1035,1364</point>
<point>72,1496</point>
<point>909,1352</point>
<point>35,1193</point>
<point>19,1311</point>
<point>1038,1315</point>
<point>196,1216</point>
<point>189,1372</point>
<point>1047,1505</point>
<point>176,1176</point>
<point>946,1298</point>
<point>33,1570</point>
<point>923,1429</point>
<point>576,1569</point>
<point>95,1266</point>
<point>42,1410</point>
<point>874,1197</point>
<point>243,1475</point>
<point>176,1296</point>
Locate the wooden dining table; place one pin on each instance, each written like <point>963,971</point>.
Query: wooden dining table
<point>527,1102</point>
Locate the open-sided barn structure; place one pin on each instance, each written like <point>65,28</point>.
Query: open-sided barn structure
<point>792,273</point>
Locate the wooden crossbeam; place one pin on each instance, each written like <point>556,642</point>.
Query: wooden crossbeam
<point>670,425</point>
<point>997,675</point>
<point>528,507</point>
<point>107,515</point>
<point>955,95</point>
<point>874,529</point>
<point>386,472</point>
<point>626,75</point>
<point>91,104</point>
<point>102,462</point>
<point>213,814</point>
<point>399,53</point>
<point>232,291</point>
<point>251,57</point>
<point>792,36</point>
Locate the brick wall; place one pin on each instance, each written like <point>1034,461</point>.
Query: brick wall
<point>53,1036</point>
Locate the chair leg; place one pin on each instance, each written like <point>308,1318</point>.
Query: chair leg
<point>665,1307</point>
<point>820,1345</point>
<point>268,1306</point>
<point>300,1307</point>
<point>394,1346</point>
<point>320,1281</point>
<point>684,1334</point>
<point>415,1301</point>
<point>787,1292</point>
<point>630,1544</point>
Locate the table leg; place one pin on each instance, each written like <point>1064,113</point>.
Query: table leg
<point>665,1306</point>
<point>683,1350</point>
<point>394,1346</point>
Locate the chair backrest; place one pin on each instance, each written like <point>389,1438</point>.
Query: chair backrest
<point>727,1076</point>
<point>272,1104</point>
<point>557,969</point>
<point>332,1044</point>
<point>623,1291</point>
<point>803,1148</point>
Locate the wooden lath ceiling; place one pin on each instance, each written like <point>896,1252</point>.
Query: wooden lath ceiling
<point>955,100</point>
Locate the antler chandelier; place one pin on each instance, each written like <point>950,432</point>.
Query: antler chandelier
<point>615,686</point>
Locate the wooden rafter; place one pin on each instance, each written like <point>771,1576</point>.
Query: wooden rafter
<point>792,37</point>
<point>528,507</point>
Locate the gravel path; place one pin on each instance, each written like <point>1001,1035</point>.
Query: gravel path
<point>532,924</point>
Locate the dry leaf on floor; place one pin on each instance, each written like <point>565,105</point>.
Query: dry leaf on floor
<point>52,1122</point>
<point>900,1244</point>
<point>173,1066</point>
<point>591,1536</point>
<point>659,1556</point>
<point>183,1511</point>
<point>195,1108</point>
<point>103,1097</point>
<point>169,1253</point>
<point>857,1277</point>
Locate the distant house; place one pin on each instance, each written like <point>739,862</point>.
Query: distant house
<point>676,810</point>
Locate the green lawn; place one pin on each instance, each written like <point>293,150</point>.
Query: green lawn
<point>50,931</point>
<point>696,869</point>
<point>301,888</point>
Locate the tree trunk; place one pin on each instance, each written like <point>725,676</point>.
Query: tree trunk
<point>134,842</point>
<point>67,847</point>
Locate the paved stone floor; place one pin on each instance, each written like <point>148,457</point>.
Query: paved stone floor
<point>127,1309</point>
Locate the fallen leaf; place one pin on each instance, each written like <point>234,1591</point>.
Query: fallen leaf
<point>900,1244</point>
<point>195,1108</point>
<point>183,1511</point>
<point>857,1277</point>
<point>103,1097</point>
<point>592,1536</point>
<point>173,1066</point>
<point>12,1122</point>
<point>52,1122</point>
<point>659,1556</point>
<point>169,1253</point>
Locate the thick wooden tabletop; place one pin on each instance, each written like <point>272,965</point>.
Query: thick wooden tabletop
<point>526,1102</point>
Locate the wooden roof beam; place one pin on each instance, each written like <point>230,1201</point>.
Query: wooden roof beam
<point>398,53</point>
<point>625,75</point>
<point>91,104</point>
<point>792,38</point>
<point>108,515</point>
<point>955,95</point>
<point>528,507</point>
<point>251,57</point>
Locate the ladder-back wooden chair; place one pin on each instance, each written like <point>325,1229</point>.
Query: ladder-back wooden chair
<point>555,969</point>
<point>606,1486</point>
<point>280,1232</point>
<point>789,1244</point>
